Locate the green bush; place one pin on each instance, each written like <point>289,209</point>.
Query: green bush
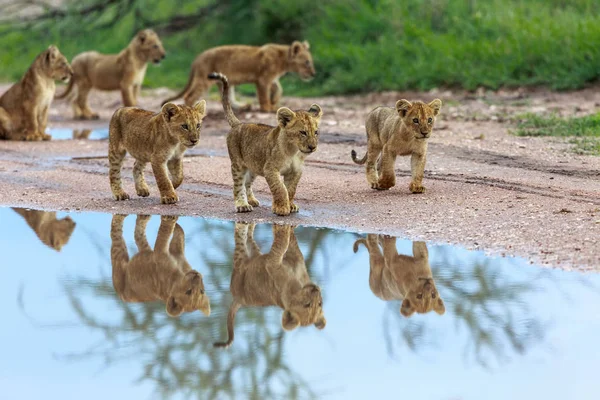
<point>358,45</point>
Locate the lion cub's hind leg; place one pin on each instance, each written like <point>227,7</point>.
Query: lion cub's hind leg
<point>249,179</point>
<point>83,90</point>
<point>116,155</point>
<point>141,187</point>
<point>239,174</point>
<point>373,163</point>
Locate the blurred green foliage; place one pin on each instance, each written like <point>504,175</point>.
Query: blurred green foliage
<point>358,45</point>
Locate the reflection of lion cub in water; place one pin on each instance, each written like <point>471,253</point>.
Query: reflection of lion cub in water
<point>278,278</point>
<point>51,231</point>
<point>159,274</point>
<point>395,276</point>
<point>398,131</point>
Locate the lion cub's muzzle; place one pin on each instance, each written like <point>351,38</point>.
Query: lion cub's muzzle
<point>159,59</point>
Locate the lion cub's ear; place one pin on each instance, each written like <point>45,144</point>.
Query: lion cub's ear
<point>295,48</point>
<point>315,111</point>
<point>174,309</point>
<point>51,53</point>
<point>200,107</point>
<point>142,35</point>
<point>285,116</point>
<point>289,320</point>
<point>436,105</point>
<point>439,306</point>
<point>407,308</point>
<point>306,44</point>
<point>402,106</point>
<point>170,110</point>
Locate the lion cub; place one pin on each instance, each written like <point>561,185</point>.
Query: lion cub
<point>160,274</point>
<point>53,232</point>
<point>160,139</point>
<point>277,278</point>
<point>24,107</point>
<point>262,150</point>
<point>398,132</point>
<point>398,277</point>
<point>124,71</point>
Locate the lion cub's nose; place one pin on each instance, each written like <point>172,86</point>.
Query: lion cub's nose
<point>311,147</point>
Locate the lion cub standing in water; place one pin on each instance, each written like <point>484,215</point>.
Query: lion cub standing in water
<point>395,132</point>
<point>159,139</point>
<point>24,107</point>
<point>160,274</point>
<point>262,150</point>
<point>394,276</point>
<point>278,278</point>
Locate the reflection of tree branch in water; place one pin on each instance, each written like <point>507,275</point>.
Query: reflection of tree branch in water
<point>177,353</point>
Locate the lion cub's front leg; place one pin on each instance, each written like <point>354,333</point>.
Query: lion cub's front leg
<point>417,167</point>
<point>281,200</point>
<point>165,187</point>
<point>291,183</point>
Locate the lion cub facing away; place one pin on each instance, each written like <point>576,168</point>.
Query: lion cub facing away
<point>398,277</point>
<point>262,150</point>
<point>160,274</point>
<point>160,139</point>
<point>24,107</point>
<point>395,132</point>
<point>277,278</point>
<point>124,71</point>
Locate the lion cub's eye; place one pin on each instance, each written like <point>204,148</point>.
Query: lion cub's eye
<point>316,133</point>
<point>433,295</point>
<point>307,305</point>
<point>416,120</point>
<point>307,63</point>
<point>198,126</point>
<point>201,291</point>
<point>185,126</point>
<point>420,296</point>
<point>188,292</point>
<point>155,46</point>
<point>303,133</point>
<point>430,120</point>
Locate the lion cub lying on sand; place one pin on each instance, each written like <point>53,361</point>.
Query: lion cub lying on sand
<point>53,232</point>
<point>160,274</point>
<point>159,139</point>
<point>399,277</point>
<point>278,278</point>
<point>398,132</point>
<point>262,66</point>
<point>124,71</point>
<point>262,150</point>
<point>24,107</point>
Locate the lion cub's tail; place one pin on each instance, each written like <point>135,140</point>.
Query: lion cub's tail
<point>67,90</point>
<point>356,160</point>
<point>231,118</point>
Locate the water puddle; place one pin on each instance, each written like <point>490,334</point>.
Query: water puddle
<point>78,134</point>
<point>133,307</point>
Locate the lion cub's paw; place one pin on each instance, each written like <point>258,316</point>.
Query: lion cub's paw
<point>244,208</point>
<point>45,136</point>
<point>416,188</point>
<point>168,218</point>
<point>379,186</point>
<point>253,202</point>
<point>281,210</point>
<point>121,196</point>
<point>143,191</point>
<point>169,198</point>
<point>294,208</point>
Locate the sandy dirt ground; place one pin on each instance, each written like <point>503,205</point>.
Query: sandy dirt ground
<point>486,189</point>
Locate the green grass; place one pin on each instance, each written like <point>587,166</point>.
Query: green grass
<point>583,131</point>
<point>358,45</point>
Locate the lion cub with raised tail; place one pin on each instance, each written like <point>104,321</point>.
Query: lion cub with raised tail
<point>398,131</point>
<point>160,139</point>
<point>396,276</point>
<point>161,274</point>
<point>272,152</point>
<point>277,278</point>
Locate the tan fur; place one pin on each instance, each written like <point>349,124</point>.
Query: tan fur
<point>262,66</point>
<point>160,139</point>
<point>53,232</point>
<point>24,107</point>
<point>124,71</point>
<point>262,150</point>
<point>398,277</point>
<point>277,278</point>
<point>393,132</point>
<point>161,274</point>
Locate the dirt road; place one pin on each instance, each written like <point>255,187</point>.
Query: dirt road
<point>486,189</point>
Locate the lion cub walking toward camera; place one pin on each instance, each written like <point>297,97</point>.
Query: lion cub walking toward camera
<point>160,139</point>
<point>160,274</point>
<point>395,132</point>
<point>262,150</point>
<point>124,71</point>
<point>395,276</point>
<point>277,278</point>
<point>24,107</point>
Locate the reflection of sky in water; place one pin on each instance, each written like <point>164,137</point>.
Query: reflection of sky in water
<point>67,133</point>
<point>367,349</point>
